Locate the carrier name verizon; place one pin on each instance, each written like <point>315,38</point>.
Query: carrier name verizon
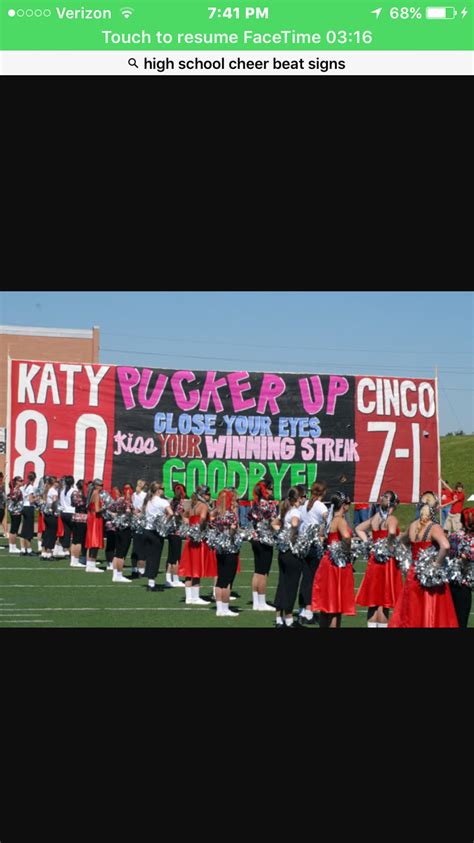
<point>83,13</point>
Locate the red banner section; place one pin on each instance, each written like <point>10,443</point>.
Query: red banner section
<point>62,419</point>
<point>396,423</point>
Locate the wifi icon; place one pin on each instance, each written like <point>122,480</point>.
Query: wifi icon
<point>127,12</point>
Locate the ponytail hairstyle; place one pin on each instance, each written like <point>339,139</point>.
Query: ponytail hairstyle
<point>393,501</point>
<point>92,487</point>
<point>337,501</point>
<point>289,502</point>
<point>198,495</point>
<point>179,495</point>
<point>317,491</point>
<point>429,505</point>
<point>153,489</point>
<point>48,484</point>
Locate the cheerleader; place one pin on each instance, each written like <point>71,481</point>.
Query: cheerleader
<point>67,511</point>
<point>175,541</point>
<point>225,520</point>
<point>50,500</point>
<point>79,524</point>
<point>263,511</point>
<point>418,606</point>
<point>95,526</point>
<point>313,514</point>
<point>197,559</point>
<point>382,582</point>
<point>28,513</point>
<point>290,566</point>
<point>14,507</point>
<point>123,508</point>
<point>3,500</point>
<point>155,504</point>
<point>462,592</point>
<point>138,548</point>
<point>333,587</point>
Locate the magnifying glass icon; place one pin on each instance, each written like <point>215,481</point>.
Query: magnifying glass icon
<point>133,63</point>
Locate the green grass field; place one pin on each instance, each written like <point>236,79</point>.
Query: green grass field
<point>44,594</point>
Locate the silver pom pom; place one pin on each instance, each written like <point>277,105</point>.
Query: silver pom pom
<point>195,534</point>
<point>107,500</point>
<point>340,554</point>
<point>427,573</point>
<point>402,556</point>
<point>137,523</point>
<point>163,525</point>
<point>360,548</point>
<point>265,534</point>
<point>382,552</point>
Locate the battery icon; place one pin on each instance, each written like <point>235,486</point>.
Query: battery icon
<point>440,12</point>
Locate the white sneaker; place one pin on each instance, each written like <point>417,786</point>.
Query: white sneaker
<point>198,601</point>
<point>120,578</point>
<point>178,584</point>
<point>232,598</point>
<point>74,564</point>
<point>15,551</point>
<point>92,569</point>
<point>230,614</point>
<point>110,567</point>
<point>266,608</point>
<point>167,584</point>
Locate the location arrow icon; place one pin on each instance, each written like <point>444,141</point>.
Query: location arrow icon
<point>376,12</point>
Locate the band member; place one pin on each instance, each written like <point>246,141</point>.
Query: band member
<point>197,559</point>
<point>382,582</point>
<point>333,587</point>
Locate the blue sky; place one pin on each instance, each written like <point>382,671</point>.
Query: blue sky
<point>399,334</point>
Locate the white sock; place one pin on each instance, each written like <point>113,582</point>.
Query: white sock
<point>169,578</point>
<point>141,570</point>
<point>175,578</point>
<point>189,593</point>
<point>289,621</point>
<point>12,547</point>
<point>225,608</point>
<point>255,596</point>
<point>28,550</point>
<point>151,583</point>
<point>261,599</point>
<point>39,545</point>
<point>382,625</point>
<point>219,605</point>
<point>370,624</point>
<point>279,621</point>
<point>195,592</point>
<point>308,615</point>
<point>213,592</point>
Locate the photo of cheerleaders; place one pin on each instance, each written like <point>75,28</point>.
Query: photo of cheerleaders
<point>290,566</point>
<point>175,542</point>
<point>333,587</point>
<point>197,559</point>
<point>79,524</point>
<point>225,520</point>
<point>382,582</point>
<point>263,510</point>
<point>50,500</point>
<point>417,606</point>
<point>95,526</point>
<point>313,513</point>
<point>154,504</point>
<point>28,514</point>
<point>14,507</point>
<point>138,547</point>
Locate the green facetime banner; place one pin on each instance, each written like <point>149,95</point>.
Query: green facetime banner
<point>207,25</point>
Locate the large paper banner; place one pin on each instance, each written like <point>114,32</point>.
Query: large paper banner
<point>361,434</point>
